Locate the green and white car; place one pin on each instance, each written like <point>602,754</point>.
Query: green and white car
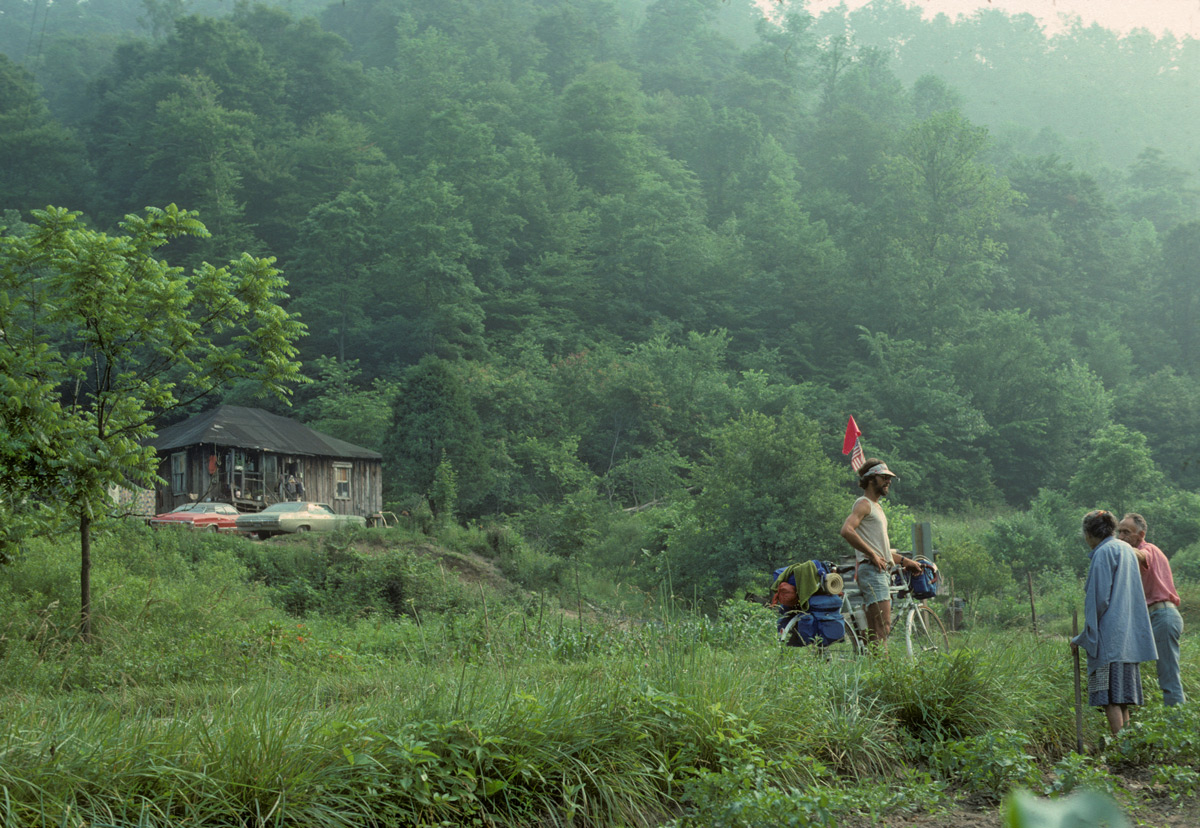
<point>279,518</point>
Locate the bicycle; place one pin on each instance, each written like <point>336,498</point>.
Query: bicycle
<point>924,633</point>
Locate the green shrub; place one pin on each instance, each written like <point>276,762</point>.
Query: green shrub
<point>1159,735</point>
<point>468,540</point>
<point>501,540</point>
<point>1174,520</point>
<point>1176,782</point>
<point>1075,772</point>
<point>745,797</point>
<point>990,764</point>
<point>964,560</point>
<point>1044,538</point>
<point>334,576</point>
<point>533,568</point>
<point>1186,563</point>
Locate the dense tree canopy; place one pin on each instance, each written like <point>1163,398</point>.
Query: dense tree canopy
<point>612,254</point>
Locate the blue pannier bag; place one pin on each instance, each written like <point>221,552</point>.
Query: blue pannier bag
<point>821,623</point>
<point>924,585</point>
<point>826,611</point>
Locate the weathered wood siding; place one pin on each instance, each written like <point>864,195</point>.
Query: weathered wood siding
<point>256,476</point>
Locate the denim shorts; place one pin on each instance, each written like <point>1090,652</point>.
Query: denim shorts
<point>872,583</point>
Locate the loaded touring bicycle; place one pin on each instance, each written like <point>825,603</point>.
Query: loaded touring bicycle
<point>820,605</point>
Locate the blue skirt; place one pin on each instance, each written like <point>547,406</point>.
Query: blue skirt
<point>1116,683</point>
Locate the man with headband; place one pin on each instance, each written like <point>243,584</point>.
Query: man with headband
<point>866,530</point>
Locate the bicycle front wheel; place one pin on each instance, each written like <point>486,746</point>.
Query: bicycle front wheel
<point>924,634</point>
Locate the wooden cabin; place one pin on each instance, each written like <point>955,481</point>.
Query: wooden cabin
<point>245,456</point>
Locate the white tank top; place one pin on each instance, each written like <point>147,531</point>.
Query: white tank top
<point>873,529</point>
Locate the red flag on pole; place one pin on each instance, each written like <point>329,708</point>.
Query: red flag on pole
<point>851,444</point>
<point>852,435</point>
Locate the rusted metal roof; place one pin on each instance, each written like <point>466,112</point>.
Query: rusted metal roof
<point>253,428</point>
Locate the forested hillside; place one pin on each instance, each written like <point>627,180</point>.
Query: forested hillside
<point>561,260</point>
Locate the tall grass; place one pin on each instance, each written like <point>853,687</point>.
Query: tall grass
<point>205,703</point>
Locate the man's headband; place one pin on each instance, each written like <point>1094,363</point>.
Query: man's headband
<point>878,468</point>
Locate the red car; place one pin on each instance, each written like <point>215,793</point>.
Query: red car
<point>204,517</point>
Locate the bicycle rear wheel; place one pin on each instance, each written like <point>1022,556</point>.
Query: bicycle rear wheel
<point>924,634</point>
<point>855,644</point>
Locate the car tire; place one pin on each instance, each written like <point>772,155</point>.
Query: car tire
<point>303,528</point>
<point>211,529</point>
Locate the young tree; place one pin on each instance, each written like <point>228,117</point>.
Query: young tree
<point>433,421</point>
<point>940,213</point>
<point>98,338</point>
<point>346,409</point>
<point>768,496</point>
<point>1118,472</point>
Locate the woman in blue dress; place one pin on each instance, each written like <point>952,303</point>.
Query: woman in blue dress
<point>1116,635</point>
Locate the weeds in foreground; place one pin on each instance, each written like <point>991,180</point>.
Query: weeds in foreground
<point>747,797</point>
<point>204,703</point>
<point>990,764</point>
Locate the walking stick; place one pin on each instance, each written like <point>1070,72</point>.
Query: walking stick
<point>1078,691</point>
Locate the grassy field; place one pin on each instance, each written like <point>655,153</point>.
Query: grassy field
<point>381,680</point>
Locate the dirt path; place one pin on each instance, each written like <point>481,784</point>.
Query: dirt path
<point>1140,803</point>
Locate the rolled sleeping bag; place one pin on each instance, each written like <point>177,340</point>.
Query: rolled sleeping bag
<point>832,583</point>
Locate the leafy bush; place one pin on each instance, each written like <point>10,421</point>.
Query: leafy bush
<point>533,569</point>
<point>744,797</point>
<point>1174,520</point>
<point>1186,563</point>
<point>1045,537</point>
<point>1159,735</point>
<point>990,764</point>
<point>332,576</point>
<point>1176,782</point>
<point>965,560</point>
<point>1075,772</point>
<point>768,496</point>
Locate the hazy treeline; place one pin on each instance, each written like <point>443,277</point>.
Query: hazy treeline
<point>1108,97</point>
<point>560,259</point>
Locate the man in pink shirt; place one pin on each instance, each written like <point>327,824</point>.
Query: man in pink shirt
<point>1161,600</point>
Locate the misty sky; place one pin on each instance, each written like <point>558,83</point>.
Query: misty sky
<point>1180,17</point>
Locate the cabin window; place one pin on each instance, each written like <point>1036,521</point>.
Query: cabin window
<point>179,472</point>
<point>341,481</point>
